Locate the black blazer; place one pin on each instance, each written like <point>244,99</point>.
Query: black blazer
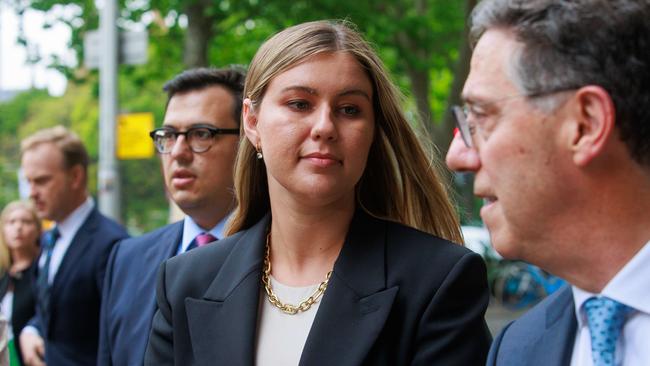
<point>397,296</point>
<point>72,335</point>
<point>543,336</point>
<point>129,299</point>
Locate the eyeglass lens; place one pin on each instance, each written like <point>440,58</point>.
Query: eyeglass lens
<point>199,139</point>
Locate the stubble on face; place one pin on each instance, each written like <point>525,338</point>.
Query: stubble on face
<point>515,175</point>
<point>201,183</point>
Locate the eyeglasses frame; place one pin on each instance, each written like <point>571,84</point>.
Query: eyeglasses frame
<point>467,129</point>
<point>214,131</point>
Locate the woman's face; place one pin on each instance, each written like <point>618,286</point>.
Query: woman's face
<point>20,229</point>
<point>315,125</point>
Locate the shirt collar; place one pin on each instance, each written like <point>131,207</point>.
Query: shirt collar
<point>191,229</point>
<point>71,224</point>
<point>629,286</point>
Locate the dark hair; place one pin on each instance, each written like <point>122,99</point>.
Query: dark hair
<point>200,78</point>
<point>574,43</point>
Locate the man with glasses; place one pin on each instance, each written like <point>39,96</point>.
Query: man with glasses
<point>556,127</point>
<point>197,145</point>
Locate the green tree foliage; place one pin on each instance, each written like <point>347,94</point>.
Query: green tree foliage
<point>421,41</point>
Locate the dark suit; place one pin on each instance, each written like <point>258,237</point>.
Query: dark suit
<point>72,335</point>
<point>397,296</point>
<point>128,303</point>
<point>544,336</point>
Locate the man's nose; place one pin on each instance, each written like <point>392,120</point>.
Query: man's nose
<point>461,158</point>
<point>181,148</point>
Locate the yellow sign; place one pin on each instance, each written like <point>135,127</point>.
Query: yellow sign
<point>133,141</point>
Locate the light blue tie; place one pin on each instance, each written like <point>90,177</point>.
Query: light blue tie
<point>605,318</point>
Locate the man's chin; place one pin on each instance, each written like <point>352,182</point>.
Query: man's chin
<point>186,200</point>
<point>503,243</point>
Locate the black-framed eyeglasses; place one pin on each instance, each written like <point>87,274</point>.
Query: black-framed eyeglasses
<point>198,138</point>
<point>468,129</point>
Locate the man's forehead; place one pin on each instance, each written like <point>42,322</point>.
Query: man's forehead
<point>185,125</point>
<point>37,152</point>
<point>491,68</point>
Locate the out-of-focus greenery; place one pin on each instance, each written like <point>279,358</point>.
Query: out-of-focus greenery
<point>419,40</point>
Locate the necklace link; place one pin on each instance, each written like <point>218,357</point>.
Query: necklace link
<point>273,298</point>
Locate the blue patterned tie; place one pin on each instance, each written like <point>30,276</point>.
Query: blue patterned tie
<point>605,318</point>
<point>43,287</point>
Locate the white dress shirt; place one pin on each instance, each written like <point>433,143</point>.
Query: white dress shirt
<point>67,230</point>
<point>630,286</point>
<point>191,229</point>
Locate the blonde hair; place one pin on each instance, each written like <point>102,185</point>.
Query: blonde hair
<point>5,255</point>
<point>73,150</point>
<point>401,182</point>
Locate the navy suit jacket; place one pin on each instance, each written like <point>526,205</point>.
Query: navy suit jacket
<point>72,335</point>
<point>129,297</point>
<point>544,336</point>
<point>396,296</point>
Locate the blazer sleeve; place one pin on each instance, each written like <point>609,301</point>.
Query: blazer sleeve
<point>160,350</point>
<point>452,330</point>
<point>104,352</point>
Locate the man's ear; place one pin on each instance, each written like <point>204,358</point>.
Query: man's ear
<point>249,118</point>
<point>77,177</point>
<point>594,118</point>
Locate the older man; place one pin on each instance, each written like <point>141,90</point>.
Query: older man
<point>556,126</point>
<point>197,145</point>
<point>70,271</point>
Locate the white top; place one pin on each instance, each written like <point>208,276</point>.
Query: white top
<point>67,229</point>
<point>630,286</point>
<point>6,307</point>
<point>191,229</point>
<point>281,337</point>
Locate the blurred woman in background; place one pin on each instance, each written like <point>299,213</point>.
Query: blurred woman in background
<point>341,251</point>
<point>20,230</point>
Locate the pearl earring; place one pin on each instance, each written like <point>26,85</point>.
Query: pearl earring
<point>258,148</point>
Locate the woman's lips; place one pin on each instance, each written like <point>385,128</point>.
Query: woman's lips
<point>322,160</point>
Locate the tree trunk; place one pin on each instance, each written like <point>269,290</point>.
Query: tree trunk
<point>200,30</point>
<point>462,70</point>
<point>464,182</point>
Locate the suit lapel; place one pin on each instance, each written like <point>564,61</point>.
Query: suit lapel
<point>149,263</point>
<point>227,313</point>
<point>556,344</point>
<point>356,303</point>
<point>73,256</point>
<point>171,239</point>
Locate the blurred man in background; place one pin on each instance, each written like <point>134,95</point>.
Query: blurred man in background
<point>197,144</point>
<point>70,270</point>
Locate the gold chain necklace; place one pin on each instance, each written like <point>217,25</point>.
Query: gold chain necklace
<point>273,298</point>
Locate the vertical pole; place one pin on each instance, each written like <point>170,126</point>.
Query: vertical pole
<point>1,6</point>
<point>108,175</point>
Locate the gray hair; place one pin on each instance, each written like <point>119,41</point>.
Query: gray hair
<point>568,44</point>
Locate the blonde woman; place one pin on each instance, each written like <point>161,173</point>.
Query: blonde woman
<point>20,230</point>
<point>340,253</point>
